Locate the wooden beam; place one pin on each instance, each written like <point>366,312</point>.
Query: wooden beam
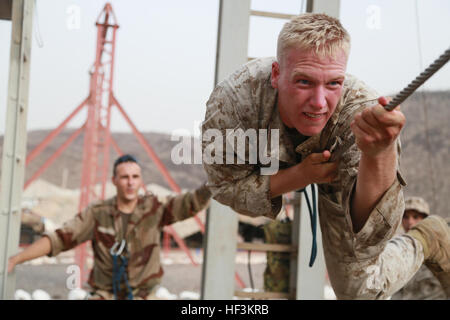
<point>5,9</point>
<point>263,295</point>
<point>275,15</point>
<point>273,247</point>
<point>329,7</point>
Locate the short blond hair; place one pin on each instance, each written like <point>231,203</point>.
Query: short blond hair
<point>317,32</point>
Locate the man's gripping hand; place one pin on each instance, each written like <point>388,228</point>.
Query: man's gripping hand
<point>317,169</point>
<point>377,129</point>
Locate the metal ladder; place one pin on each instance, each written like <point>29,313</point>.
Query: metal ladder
<point>304,282</point>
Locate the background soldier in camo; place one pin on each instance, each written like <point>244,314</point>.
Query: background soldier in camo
<point>424,285</point>
<point>276,274</point>
<point>136,219</point>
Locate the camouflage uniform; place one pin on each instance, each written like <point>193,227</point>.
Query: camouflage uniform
<point>418,204</point>
<point>366,265</point>
<point>276,274</point>
<point>424,285</point>
<point>102,224</point>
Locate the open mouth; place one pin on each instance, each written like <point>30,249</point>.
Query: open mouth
<point>314,115</point>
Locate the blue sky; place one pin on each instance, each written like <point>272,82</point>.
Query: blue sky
<point>165,54</point>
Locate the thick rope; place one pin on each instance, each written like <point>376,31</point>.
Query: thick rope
<point>417,82</point>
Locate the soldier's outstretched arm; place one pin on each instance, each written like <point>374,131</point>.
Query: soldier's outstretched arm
<point>38,249</point>
<point>185,205</point>
<point>72,233</point>
<point>376,131</point>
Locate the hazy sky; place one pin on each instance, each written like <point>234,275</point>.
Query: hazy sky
<point>165,54</point>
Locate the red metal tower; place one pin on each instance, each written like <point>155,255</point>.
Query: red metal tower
<point>97,136</point>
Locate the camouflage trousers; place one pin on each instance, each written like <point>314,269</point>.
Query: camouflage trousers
<point>138,294</point>
<point>379,277</point>
<point>376,278</point>
<point>276,274</point>
<point>374,262</point>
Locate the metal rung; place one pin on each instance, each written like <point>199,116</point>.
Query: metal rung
<point>275,247</point>
<point>272,14</point>
<point>263,295</point>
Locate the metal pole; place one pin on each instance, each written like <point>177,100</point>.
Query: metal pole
<point>54,156</point>
<point>97,135</point>
<point>307,282</point>
<point>107,129</point>
<point>116,146</point>
<point>220,249</point>
<point>329,7</point>
<point>219,276</point>
<point>14,144</point>
<point>36,151</point>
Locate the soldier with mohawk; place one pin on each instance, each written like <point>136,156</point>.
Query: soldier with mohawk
<point>125,232</point>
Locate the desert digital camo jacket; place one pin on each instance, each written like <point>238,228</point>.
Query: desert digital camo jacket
<point>247,100</point>
<point>102,224</point>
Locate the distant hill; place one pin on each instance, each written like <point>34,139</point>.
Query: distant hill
<point>425,161</point>
<point>185,175</point>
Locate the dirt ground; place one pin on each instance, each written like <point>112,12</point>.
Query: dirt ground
<point>51,274</point>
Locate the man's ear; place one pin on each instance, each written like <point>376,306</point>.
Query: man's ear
<point>275,74</point>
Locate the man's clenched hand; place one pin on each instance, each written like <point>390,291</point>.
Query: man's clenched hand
<point>376,129</point>
<point>317,169</point>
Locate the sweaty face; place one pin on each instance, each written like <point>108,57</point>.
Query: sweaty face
<point>309,88</point>
<point>128,181</point>
<point>411,218</point>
